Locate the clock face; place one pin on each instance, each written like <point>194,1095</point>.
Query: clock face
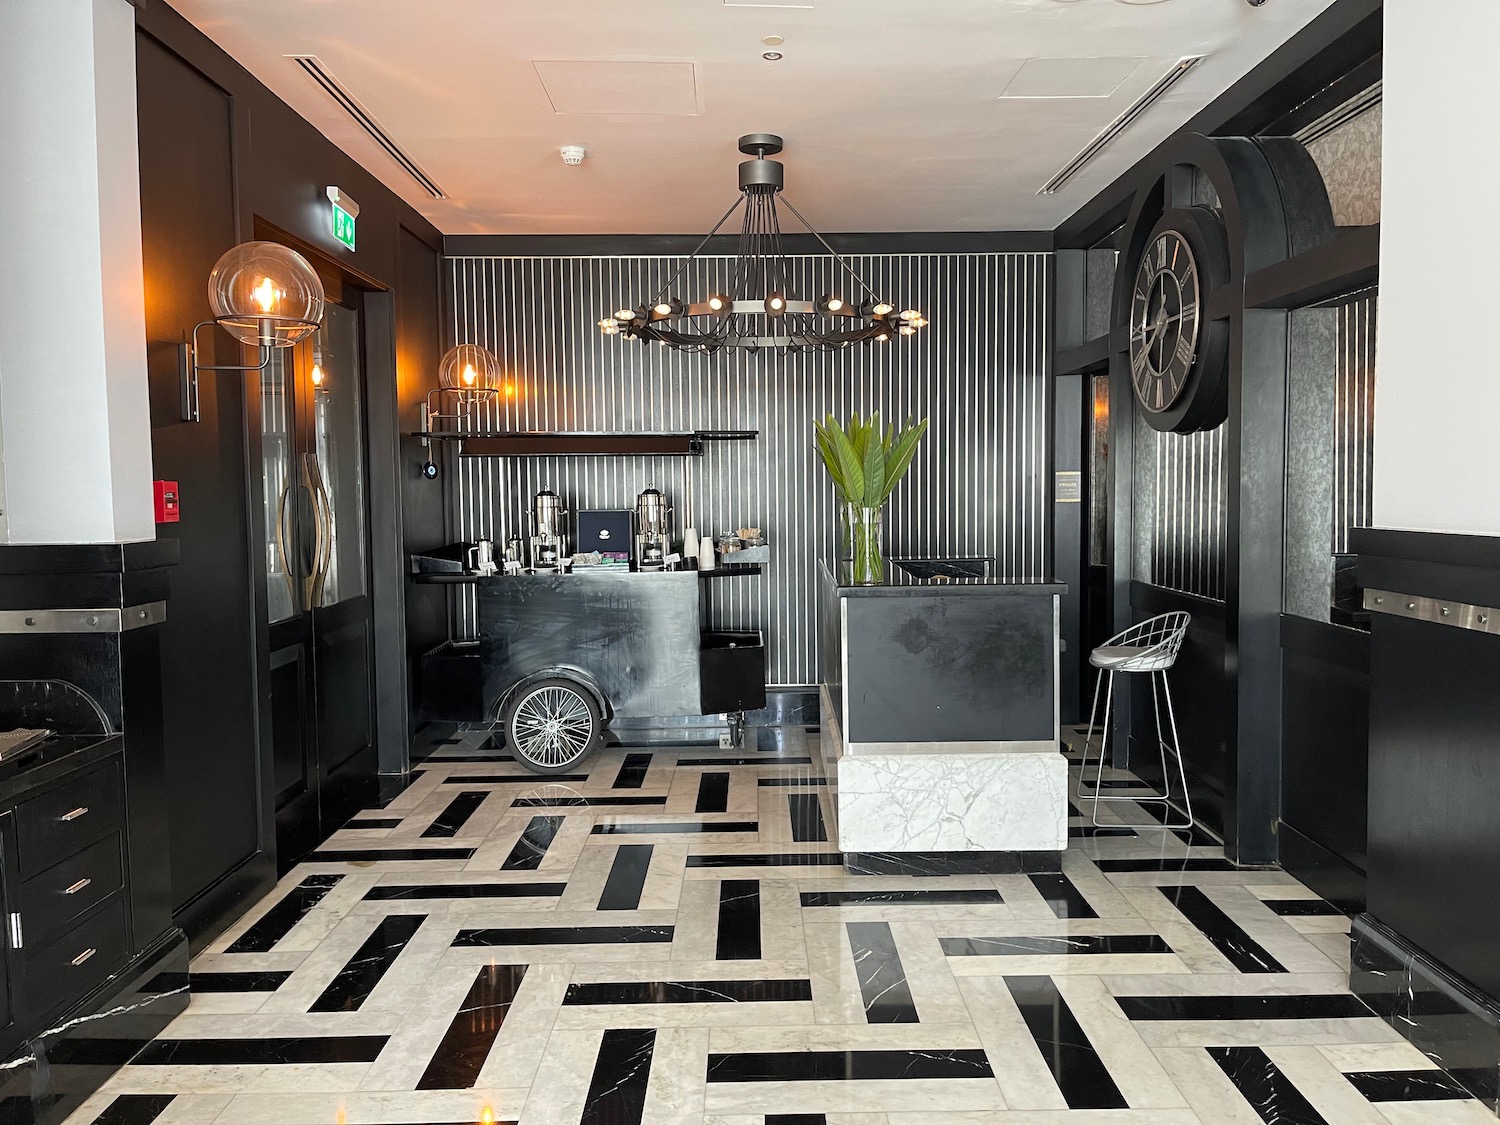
<point>1164,322</point>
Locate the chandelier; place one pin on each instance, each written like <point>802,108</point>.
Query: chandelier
<point>761,308</point>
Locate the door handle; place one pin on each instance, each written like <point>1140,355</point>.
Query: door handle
<point>281,556</point>
<point>312,474</point>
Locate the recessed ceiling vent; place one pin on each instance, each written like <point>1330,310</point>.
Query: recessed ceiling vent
<point>366,121</point>
<point>1158,90</point>
<point>1362,102</point>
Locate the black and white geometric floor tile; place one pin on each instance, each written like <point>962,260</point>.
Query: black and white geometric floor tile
<point>668,937</point>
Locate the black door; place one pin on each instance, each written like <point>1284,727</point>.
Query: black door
<point>316,542</point>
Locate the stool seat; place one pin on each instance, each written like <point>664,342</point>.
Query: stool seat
<point>1132,658</point>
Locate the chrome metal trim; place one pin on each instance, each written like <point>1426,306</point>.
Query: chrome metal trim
<point>1460,615</point>
<point>82,620</point>
<point>17,935</point>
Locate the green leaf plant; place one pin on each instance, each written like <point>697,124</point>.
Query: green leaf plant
<point>866,460</point>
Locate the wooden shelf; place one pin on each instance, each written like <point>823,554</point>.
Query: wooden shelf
<point>580,444</point>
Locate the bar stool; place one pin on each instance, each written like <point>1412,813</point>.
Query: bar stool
<point>1149,648</point>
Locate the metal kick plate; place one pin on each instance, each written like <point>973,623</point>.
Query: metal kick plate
<point>82,620</point>
<point>1478,618</point>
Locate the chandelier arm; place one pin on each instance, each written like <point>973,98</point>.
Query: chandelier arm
<point>837,256</point>
<point>689,260</point>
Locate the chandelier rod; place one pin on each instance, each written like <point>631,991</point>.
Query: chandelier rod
<point>839,257</point>
<point>689,261</point>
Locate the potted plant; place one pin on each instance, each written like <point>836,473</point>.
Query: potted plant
<point>866,461</point>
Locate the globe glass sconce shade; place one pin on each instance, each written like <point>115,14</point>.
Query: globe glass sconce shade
<point>469,367</point>
<point>266,295</point>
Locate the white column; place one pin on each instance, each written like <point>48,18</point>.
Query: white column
<point>75,426</point>
<point>1437,386</point>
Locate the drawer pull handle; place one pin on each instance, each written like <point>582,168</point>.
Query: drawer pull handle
<point>74,815</point>
<point>78,886</point>
<point>84,956</point>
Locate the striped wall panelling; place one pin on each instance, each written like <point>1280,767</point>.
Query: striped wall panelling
<point>977,486</point>
<point>1354,418</point>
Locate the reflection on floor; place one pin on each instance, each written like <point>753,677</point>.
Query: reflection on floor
<point>666,936</point>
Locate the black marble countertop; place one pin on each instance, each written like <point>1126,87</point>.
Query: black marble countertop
<point>908,577</point>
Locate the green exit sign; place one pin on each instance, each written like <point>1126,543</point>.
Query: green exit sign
<point>343,226</point>
<point>345,211</point>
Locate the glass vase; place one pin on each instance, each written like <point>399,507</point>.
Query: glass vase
<point>866,563</point>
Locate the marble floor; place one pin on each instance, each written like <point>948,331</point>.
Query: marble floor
<point>667,937</point>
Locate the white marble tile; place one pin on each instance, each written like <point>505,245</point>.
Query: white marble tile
<point>952,802</point>
<point>679,1060</point>
<point>1020,1069</point>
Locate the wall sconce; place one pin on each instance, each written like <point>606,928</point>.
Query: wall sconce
<point>263,294</point>
<point>468,375</point>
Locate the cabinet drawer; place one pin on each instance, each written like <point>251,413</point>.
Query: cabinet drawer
<point>64,891</point>
<point>65,820</point>
<point>60,974</point>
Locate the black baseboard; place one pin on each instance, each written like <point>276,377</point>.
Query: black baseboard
<point>212,912</point>
<point>1446,1018</point>
<point>952,863</point>
<point>1332,876</point>
<point>103,1033</point>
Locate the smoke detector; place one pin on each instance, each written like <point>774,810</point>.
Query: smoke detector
<point>573,155</point>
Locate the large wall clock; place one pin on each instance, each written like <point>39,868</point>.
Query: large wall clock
<point>1178,355</point>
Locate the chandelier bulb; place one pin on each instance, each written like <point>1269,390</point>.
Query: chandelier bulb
<point>883,309</point>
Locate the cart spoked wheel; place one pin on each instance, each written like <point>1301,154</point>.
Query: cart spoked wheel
<point>552,725</point>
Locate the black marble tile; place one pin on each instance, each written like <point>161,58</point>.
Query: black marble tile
<point>901,898</point>
<point>514,779</point>
<point>1302,908</point>
<point>392,786</point>
<point>769,859</point>
<point>395,893</point>
<point>563,935</point>
<point>357,979</point>
<point>854,1066</point>
<point>771,740</point>
<point>274,925</point>
<point>1406,1086</point>
<point>1179,863</point>
<point>627,877</point>
<point>1065,899</point>
<point>739,920</point>
<point>690,992</point>
<point>1239,948</point>
<point>1076,1067</point>
<point>134,1109</point>
<point>926,864</point>
<point>1095,831</point>
<point>456,1063</point>
<point>378,822</point>
<point>793,781</point>
<point>375,855</point>
<point>713,793</point>
<point>665,743</point>
<point>456,815</point>
<point>1077,945</point>
<point>807,818</point>
<point>261,1051</point>
<point>617,1092</point>
<point>239,982</point>
<point>698,828</point>
<point>768,760</point>
<point>632,773</point>
<point>528,851</point>
<point>882,978</point>
<point>796,1119</point>
<point>1262,1083</point>
<point>1307,1006</point>
<point>583,802</point>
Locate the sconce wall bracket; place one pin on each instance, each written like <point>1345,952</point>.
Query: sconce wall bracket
<point>188,368</point>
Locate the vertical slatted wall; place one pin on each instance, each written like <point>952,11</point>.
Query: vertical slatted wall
<point>979,373</point>
<point>1188,518</point>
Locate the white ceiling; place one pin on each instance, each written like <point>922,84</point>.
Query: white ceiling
<point>899,115</point>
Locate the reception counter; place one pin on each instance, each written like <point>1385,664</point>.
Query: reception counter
<point>940,719</point>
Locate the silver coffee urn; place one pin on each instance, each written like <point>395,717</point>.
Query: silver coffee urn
<point>548,542</point>
<point>653,530</point>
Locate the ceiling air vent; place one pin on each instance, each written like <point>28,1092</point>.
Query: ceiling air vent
<point>1361,103</point>
<point>365,120</point>
<point>1158,89</point>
